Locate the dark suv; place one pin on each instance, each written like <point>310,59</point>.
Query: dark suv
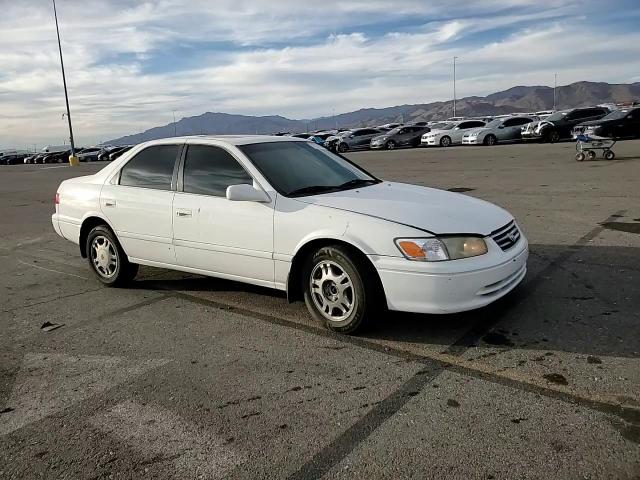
<point>623,123</point>
<point>558,126</point>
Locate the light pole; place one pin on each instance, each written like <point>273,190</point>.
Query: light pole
<point>175,127</point>
<point>72,158</point>
<point>454,85</point>
<point>555,84</point>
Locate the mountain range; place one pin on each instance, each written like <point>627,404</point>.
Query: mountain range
<point>515,99</point>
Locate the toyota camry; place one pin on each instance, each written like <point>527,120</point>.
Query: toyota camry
<point>288,214</point>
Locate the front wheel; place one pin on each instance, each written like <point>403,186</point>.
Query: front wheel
<point>445,141</point>
<point>609,155</point>
<point>343,147</point>
<point>107,258</point>
<point>490,140</point>
<point>553,137</point>
<point>580,157</point>
<point>335,291</point>
<point>391,145</point>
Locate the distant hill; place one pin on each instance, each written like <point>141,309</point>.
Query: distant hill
<point>515,99</point>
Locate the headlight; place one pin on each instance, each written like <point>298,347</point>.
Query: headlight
<point>442,248</point>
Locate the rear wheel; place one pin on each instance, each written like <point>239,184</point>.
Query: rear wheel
<point>445,141</point>
<point>580,157</point>
<point>335,291</point>
<point>107,258</point>
<point>609,155</point>
<point>490,140</point>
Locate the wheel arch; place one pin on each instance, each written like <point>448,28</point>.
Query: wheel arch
<point>89,223</point>
<point>294,278</point>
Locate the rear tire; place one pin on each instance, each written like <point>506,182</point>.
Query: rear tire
<point>107,258</point>
<point>335,290</point>
<point>609,155</point>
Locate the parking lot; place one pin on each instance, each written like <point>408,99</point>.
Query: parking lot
<point>183,376</point>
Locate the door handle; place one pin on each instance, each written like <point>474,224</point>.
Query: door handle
<point>183,213</point>
<point>109,203</point>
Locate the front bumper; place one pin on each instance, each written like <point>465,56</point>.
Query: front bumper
<point>439,293</point>
<point>377,146</point>
<point>431,141</point>
<point>471,141</point>
<point>532,135</point>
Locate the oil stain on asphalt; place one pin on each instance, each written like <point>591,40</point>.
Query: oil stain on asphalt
<point>628,227</point>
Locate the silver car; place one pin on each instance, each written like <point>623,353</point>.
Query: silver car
<point>507,129</point>
<point>358,138</point>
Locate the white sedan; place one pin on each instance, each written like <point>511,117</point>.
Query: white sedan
<point>450,134</point>
<point>288,214</point>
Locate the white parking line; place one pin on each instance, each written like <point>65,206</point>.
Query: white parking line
<point>50,382</point>
<point>157,432</point>
<point>50,269</point>
<point>49,168</point>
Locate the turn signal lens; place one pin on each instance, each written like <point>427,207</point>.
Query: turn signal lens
<point>423,249</point>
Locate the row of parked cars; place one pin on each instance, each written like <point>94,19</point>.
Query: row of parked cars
<point>61,153</point>
<point>605,121</point>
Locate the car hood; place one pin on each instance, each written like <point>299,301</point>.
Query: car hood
<point>430,209</point>
<point>384,136</point>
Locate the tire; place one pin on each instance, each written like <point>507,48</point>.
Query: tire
<point>335,292</point>
<point>609,155</point>
<point>391,145</point>
<point>580,157</point>
<point>107,258</point>
<point>490,140</point>
<point>591,155</point>
<point>343,147</point>
<point>445,141</point>
<point>553,137</point>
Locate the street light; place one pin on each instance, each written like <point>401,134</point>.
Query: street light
<point>454,85</point>
<point>72,159</point>
<point>555,84</point>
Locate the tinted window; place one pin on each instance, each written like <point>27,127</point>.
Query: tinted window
<point>151,168</point>
<point>210,170</point>
<point>292,166</point>
<point>513,122</point>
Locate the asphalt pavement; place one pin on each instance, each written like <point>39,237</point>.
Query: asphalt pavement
<point>182,376</point>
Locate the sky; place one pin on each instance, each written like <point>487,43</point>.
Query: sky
<point>133,65</point>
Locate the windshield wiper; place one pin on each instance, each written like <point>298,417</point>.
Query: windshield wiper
<point>356,182</point>
<point>313,189</point>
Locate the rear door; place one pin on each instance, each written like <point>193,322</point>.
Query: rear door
<point>231,239</point>
<point>138,202</point>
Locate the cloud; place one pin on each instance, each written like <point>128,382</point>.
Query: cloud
<point>130,63</point>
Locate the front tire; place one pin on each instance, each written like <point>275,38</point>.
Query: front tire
<point>490,140</point>
<point>553,137</point>
<point>445,141</point>
<point>343,147</point>
<point>391,145</point>
<point>335,292</point>
<point>107,258</point>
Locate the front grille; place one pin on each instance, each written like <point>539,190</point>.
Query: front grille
<point>507,236</point>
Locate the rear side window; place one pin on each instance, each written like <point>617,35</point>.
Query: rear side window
<point>151,168</point>
<point>210,170</point>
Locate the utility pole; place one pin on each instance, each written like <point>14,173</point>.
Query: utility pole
<point>72,158</point>
<point>555,85</point>
<point>175,127</point>
<point>454,85</point>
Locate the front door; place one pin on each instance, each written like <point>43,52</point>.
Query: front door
<point>230,239</point>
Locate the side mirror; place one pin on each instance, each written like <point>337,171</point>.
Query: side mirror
<point>351,136</point>
<point>246,193</point>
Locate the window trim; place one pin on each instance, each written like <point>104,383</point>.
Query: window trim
<point>172,187</point>
<point>182,161</point>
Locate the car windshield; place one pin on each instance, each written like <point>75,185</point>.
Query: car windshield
<point>302,168</point>
<point>494,123</point>
<point>616,115</point>
<point>395,131</point>
<point>556,116</point>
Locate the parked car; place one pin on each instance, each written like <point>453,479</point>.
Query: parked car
<point>558,126</point>
<point>388,126</point>
<point>357,139</point>
<point>119,151</point>
<point>321,137</point>
<point>408,136</point>
<point>619,124</point>
<point>89,154</point>
<point>507,129</point>
<point>103,156</point>
<point>59,157</point>
<point>288,214</point>
<point>450,133</point>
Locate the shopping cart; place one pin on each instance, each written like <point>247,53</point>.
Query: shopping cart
<point>586,147</point>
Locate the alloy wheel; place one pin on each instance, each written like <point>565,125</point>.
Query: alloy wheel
<point>332,291</point>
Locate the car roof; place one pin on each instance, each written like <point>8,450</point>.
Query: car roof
<point>228,139</point>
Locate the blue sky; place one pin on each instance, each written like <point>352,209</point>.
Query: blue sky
<point>131,64</point>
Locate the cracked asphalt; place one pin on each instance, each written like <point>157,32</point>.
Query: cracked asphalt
<point>182,376</point>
